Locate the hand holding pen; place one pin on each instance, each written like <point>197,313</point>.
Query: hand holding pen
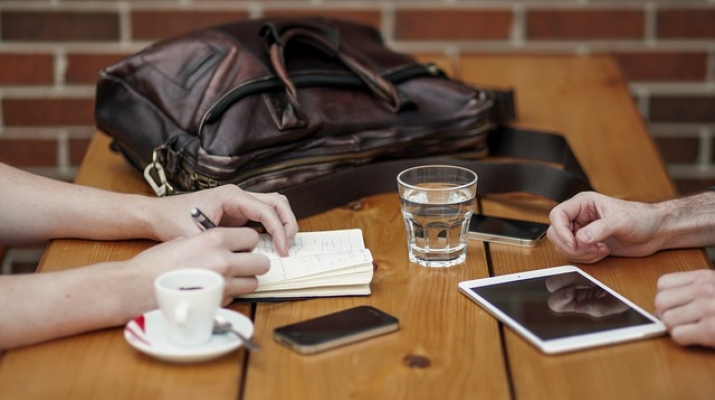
<point>272,217</point>
<point>202,220</point>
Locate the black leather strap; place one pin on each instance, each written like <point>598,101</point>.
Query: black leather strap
<point>519,174</point>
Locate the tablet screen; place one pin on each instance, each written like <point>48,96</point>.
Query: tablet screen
<point>561,305</point>
<point>562,309</point>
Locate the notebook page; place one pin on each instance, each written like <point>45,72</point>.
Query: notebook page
<point>315,242</point>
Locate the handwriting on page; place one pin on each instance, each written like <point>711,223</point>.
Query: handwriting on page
<point>315,242</point>
<point>312,264</point>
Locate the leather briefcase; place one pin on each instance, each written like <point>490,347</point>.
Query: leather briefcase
<point>273,104</point>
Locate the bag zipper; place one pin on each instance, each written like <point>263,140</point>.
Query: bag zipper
<point>203,182</point>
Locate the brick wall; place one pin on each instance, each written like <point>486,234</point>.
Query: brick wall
<point>52,50</point>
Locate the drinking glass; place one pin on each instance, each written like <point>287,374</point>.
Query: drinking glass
<point>437,202</point>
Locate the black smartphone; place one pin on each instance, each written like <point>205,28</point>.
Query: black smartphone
<point>505,230</point>
<point>336,329</point>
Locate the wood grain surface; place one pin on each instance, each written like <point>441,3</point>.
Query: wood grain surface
<point>447,347</point>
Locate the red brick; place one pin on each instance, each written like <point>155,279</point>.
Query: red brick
<point>48,112</point>
<point>151,25</point>
<point>28,153</point>
<point>84,68</point>
<point>440,24</point>
<point>78,148</point>
<point>677,66</point>
<point>28,26</point>
<point>678,150</point>
<point>682,109</point>
<point>26,69</point>
<point>368,17</point>
<point>584,24</point>
<point>692,23</point>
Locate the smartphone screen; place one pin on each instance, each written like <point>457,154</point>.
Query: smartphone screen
<point>506,230</point>
<point>336,329</point>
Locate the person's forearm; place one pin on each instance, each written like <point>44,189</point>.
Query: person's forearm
<point>688,222</point>
<point>35,209</point>
<point>40,307</point>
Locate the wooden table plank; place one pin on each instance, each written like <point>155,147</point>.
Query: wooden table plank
<point>437,328</point>
<point>584,99</point>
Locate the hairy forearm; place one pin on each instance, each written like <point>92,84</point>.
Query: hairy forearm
<point>688,221</point>
<point>39,307</point>
<point>35,209</point>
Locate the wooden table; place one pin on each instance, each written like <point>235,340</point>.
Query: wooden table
<point>447,348</point>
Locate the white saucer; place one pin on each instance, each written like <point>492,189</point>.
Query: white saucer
<point>147,334</point>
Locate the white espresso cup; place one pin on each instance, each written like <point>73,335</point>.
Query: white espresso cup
<point>189,300</point>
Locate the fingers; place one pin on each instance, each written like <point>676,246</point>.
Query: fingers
<point>586,253</point>
<point>227,251</point>
<point>231,239</point>
<point>686,304</point>
<point>571,222</point>
<point>272,210</point>
<point>229,205</point>
<point>278,219</point>
<point>224,250</point>
<point>682,288</point>
<point>701,333</point>
<point>242,277</point>
<point>680,279</point>
<point>562,228</point>
<point>238,265</point>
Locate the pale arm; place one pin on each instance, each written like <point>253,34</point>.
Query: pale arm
<point>688,222</point>
<point>34,209</point>
<point>591,226</point>
<point>40,307</point>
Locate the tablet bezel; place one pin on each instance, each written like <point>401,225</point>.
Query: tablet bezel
<point>571,343</point>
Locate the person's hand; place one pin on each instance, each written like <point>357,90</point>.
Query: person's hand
<point>574,294</point>
<point>685,302</point>
<point>591,226</point>
<point>226,251</point>
<point>228,206</point>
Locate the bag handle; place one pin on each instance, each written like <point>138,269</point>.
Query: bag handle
<point>326,39</point>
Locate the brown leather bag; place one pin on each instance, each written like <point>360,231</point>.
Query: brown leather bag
<point>273,104</point>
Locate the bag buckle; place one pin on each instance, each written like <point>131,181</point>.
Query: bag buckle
<point>156,177</point>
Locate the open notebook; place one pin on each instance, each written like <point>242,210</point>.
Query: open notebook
<point>320,264</point>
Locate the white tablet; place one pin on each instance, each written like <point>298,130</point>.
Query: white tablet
<point>562,309</point>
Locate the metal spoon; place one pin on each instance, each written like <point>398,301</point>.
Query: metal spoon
<point>222,325</point>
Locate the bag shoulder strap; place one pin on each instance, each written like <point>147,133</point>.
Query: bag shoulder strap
<point>495,177</point>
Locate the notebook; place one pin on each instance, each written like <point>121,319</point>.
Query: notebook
<point>319,264</point>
